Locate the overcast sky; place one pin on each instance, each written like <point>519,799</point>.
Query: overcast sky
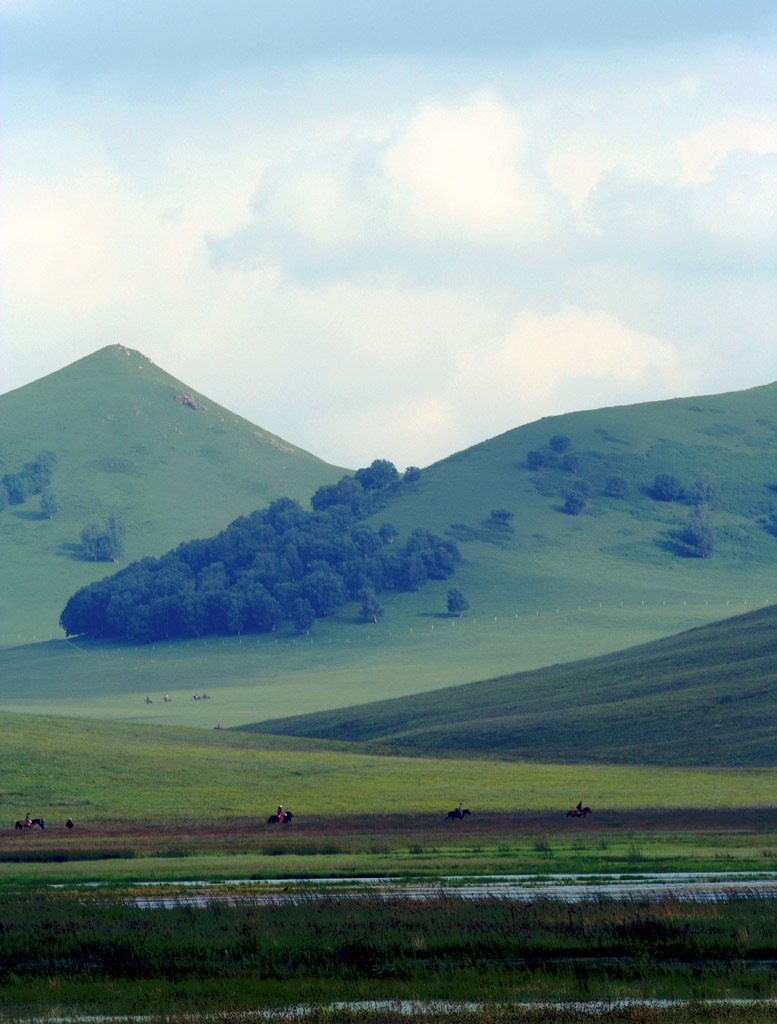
<point>392,230</point>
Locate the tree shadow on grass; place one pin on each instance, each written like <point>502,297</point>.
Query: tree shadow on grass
<point>672,542</point>
<point>28,514</point>
<point>70,550</point>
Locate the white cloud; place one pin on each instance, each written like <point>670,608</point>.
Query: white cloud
<point>573,358</point>
<point>461,169</point>
<point>702,153</point>
<point>399,258</point>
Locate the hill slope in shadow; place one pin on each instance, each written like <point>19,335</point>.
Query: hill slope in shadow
<point>705,697</point>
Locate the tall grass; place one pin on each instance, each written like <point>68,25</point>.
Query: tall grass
<point>98,954</point>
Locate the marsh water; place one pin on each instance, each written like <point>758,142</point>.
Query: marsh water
<point>705,887</point>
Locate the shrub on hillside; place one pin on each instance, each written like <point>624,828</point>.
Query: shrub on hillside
<point>667,488</point>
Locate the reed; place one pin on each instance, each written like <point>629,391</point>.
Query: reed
<point>73,950</point>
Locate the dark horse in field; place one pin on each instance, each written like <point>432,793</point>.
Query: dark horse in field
<point>457,814</point>
<point>274,819</point>
<point>579,811</point>
<point>29,822</point>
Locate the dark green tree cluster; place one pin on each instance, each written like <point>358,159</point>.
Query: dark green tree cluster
<point>358,495</point>
<point>16,488</point>
<point>104,543</point>
<point>457,602</point>
<point>555,456</point>
<point>698,536</point>
<point>667,487</point>
<point>279,563</point>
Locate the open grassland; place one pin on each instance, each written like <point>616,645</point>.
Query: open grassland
<point>170,803</point>
<point>535,847</point>
<point>62,953</point>
<point>94,770</point>
<point>344,662</point>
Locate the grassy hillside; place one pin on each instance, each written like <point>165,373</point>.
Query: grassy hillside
<point>703,697</point>
<point>545,588</point>
<point>618,549</point>
<point>132,439</point>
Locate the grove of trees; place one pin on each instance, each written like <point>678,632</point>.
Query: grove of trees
<point>276,564</point>
<point>16,488</point>
<point>103,543</point>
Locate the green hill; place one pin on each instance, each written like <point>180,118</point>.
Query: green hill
<point>128,438</point>
<point>544,586</point>
<point>705,697</point>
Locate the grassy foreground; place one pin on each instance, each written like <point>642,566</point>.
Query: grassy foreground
<point>162,803</point>
<point>93,771</point>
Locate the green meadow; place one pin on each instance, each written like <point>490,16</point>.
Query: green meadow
<point>61,767</point>
<point>342,663</point>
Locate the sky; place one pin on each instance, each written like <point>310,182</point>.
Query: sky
<point>393,230</point>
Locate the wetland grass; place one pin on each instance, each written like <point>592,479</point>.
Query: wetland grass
<point>102,954</point>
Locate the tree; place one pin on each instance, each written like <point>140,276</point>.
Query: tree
<point>616,487</point>
<point>302,614</point>
<point>667,488</point>
<point>501,516</point>
<point>379,474</point>
<point>570,463</point>
<point>115,531</point>
<point>698,536</point>
<point>387,532</point>
<point>412,475</point>
<point>457,602</point>
<point>371,609</point>
<point>19,487</point>
<point>44,462</point>
<point>560,443</point>
<point>103,543</point>
<point>536,460</point>
<point>49,506</point>
<point>415,572</point>
<point>705,491</point>
<point>575,503</point>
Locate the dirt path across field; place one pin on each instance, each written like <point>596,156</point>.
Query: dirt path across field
<point>236,831</point>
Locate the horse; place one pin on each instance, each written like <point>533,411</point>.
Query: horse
<point>579,812</point>
<point>457,814</point>
<point>274,819</point>
<point>69,823</point>
<point>25,823</point>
